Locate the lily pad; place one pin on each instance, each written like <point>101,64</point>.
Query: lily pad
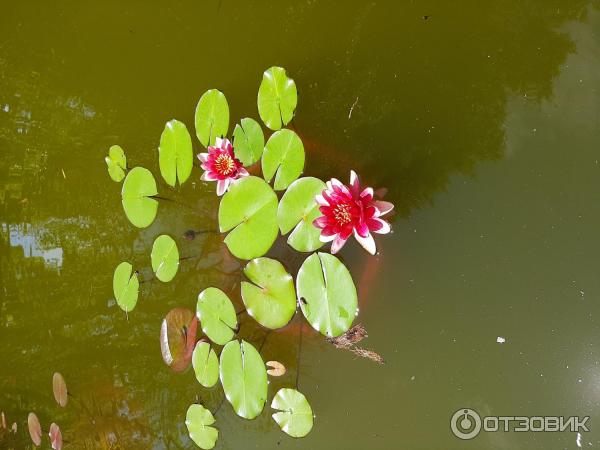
<point>271,300</point>
<point>327,293</point>
<point>178,337</point>
<point>206,364</point>
<point>249,210</point>
<point>59,389</point>
<point>212,117</point>
<point>138,188</point>
<point>295,416</point>
<point>165,258</point>
<point>244,378</point>
<point>198,421</point>
<point>116,162</point>
<point>248,141</point>
<point>175,154</point>
<point>217,315</point>
<point>56,440</point>
<point>35,429</point>
<point>125,286</point>
<point>297,210</point>
<point>283,158</point>
<point>277,98</point>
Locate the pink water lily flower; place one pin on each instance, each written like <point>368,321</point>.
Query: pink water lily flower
<point>347,210</point>
<point>221,165</point>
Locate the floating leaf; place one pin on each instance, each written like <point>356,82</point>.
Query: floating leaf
<point>165,258</point>
<point>59,388</point>
<point>55,437</point>
<point>138,188</point>
<point>206,364</point>
<point>283,158</point>
<point>327,293</point>
<point>35,429</point>
<point>212,117</point>
<point>217,315</point>
<point>125,286</point>
<point>277,98</point>
<point>297,210</point>
<point>271,300</point>
<point>249,210</point>
<point>198,421</point>
<point>116,162</point>
<point>248,141</point>
<point>175,155</point>
<point>177,338</point>
<point>244,378</point>
<point>276,369</point>
<point>295,416</point>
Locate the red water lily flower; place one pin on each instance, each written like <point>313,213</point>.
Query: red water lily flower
<point>347,210</point>
<point>221,165</point>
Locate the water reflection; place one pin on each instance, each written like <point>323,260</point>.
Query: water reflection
<point>24,236</point>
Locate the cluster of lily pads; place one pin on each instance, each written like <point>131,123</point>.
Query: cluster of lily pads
<point>59,389</point>
<point>252,214</point>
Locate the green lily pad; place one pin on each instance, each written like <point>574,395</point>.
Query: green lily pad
<point>198,421</point>
<point>175,154</point>
<point>206,364</point>
<point>165,258</point>
<point>271,300</point>
<point>277,98</point>
<point>283,158</point>
<point>244,378</point>
<point>295,416</point>
<point>217,315</point>
<point>248,141</point>
<point>125,286</point>
<point>327,294</point>
<point>297,210</point>
<point>212,117</point>
<point>116,162</point>
<point>249,210</point>
<point>138,188</point>
<point>178,337</point>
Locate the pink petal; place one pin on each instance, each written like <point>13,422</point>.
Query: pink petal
<point>337,244</point>
<point>379,226</point>
<point>368,242</point>
<point>327,237</point>
<point>362,229</point>
<point>222,186</point>
<point>321,200</point>
<point>383,207</point>
<point>208,176</point>
<point>321,222</point>
<point>203,157</point>
<point>367,194</point>
<point>242,172</point>
<point>219,142</point>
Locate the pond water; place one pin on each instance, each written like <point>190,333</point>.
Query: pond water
<point>481,119</point>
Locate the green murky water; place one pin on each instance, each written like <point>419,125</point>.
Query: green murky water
<point>482,119</point>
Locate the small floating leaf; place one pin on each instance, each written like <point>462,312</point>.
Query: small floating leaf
<point>276,369</point>
<point>248,141</point>
<point>249,210</point>
<point>175,155</point>
<point>295,416</point>
<point>59,388</point>
<point>198,421</point>
<point>277,98</point>
<point>125,286</point>
<point>116,162</point>
<point>297,210</point>
<point>217,315</point>
<point>212,117</point>
<point>35,429</point>
<point>165,258</point>
<point>244,378</point>
<point>177,338</point>
<point>283,158</point>
<point>206,364</point>
<point>271,300</point>
<point>138,188</point>
<point>328,293</point>
<point>55,437</point>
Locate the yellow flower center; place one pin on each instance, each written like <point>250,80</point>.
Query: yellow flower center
<point>342,215</point>
<point>224,164</point>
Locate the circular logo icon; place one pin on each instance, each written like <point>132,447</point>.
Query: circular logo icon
<point>465,424</point>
